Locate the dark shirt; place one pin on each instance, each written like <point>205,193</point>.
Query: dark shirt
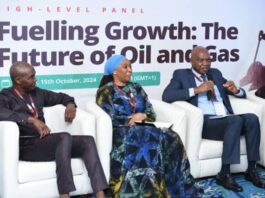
<point>261,92</point>
<point>13,108</point>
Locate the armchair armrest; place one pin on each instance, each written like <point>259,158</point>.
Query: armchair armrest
<point>103,134</point>
<point>246,106</point>
<point>83,124</point>
<point>253,98</point>
<point>9,156</point>
<point>168,113</point>
<point>259,101</point>
<point>194,128</point>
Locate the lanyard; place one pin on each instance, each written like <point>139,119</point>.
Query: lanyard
<point>198,78</point>
<point>131,99</point>
<point>31,105</point>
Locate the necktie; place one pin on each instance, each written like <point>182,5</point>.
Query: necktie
<point>204,78</point>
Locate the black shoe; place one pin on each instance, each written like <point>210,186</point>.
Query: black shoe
<point>228,182</point>
<point>254,178</point>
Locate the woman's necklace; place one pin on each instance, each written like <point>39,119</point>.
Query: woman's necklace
<point>131,98</point>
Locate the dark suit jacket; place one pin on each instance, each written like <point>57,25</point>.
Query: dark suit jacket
<point>12,108</point>
<point>183,79</point>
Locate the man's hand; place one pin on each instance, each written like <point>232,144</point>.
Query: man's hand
<point>204,87</point>
<point>137,117</point>
<point>41,127</point>
<point>70,112</point>
<point>230,85</point>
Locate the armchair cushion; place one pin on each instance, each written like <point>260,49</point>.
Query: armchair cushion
<point>36,171</point>
<point>213,149</point>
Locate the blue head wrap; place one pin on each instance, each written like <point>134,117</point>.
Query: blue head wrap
<point>113,63</point>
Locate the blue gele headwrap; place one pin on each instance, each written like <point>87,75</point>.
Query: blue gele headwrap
<point>113,63</point>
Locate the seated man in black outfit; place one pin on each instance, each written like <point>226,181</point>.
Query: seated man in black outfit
<point>23,103</point>
<point>206,88</point>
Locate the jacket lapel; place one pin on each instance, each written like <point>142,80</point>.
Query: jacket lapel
<point>192,83</point>
<point>191,78</point>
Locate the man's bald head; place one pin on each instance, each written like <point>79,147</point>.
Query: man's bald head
<point>200,59</point>
<point>19,69</point>
<point>196,50</point>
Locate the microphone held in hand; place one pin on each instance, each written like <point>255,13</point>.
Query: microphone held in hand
<point>261,35</point>
<point>210,93</point>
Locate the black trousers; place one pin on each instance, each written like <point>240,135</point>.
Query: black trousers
<point>61,147</point>
<point>229,130</point>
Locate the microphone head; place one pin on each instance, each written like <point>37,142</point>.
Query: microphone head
<point>261,35</point>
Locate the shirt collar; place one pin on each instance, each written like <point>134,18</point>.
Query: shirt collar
<point>195,72</point>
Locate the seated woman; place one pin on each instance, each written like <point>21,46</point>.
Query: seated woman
<point>145,161</point>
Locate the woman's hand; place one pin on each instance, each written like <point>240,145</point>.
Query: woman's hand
<point>137,117</point>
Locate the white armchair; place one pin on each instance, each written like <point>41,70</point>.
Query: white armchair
<point>205,155</point>
<point>103,133</point>
<point>165,113</point>
<point>251,96</point>
<point>21,179</point>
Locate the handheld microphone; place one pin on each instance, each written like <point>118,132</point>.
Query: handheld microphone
<point>261,35</point>
<point>209,93</point>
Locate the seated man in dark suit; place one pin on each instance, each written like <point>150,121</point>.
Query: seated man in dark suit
<point>23,103</point>
<point>207,89</point>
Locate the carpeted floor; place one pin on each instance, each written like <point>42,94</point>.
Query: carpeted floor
<point>212,190</point>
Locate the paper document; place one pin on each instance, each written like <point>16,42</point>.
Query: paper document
<point>220,116</point>
<point>156,124</point>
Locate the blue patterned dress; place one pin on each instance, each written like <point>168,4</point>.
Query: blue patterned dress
<point>145,161</point>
